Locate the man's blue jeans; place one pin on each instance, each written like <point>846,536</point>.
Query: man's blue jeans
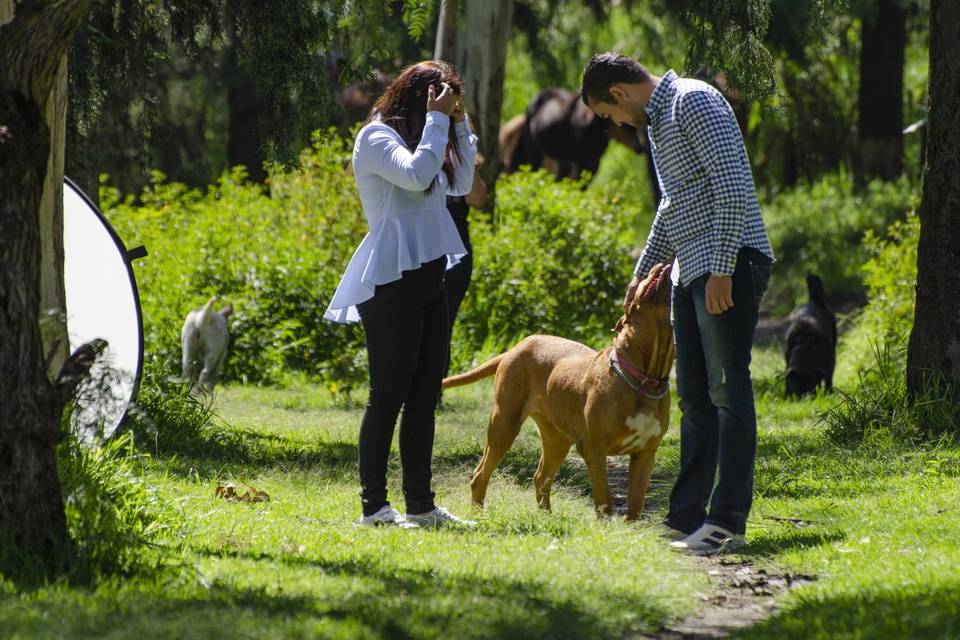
<point>719,423</point>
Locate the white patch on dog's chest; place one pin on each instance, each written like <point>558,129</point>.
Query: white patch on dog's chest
<point>642,427</point>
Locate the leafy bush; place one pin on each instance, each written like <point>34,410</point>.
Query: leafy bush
<point>276,258</point>
<point>889,274</point>
<point>555,261</point>
<point>111,513</point>
<point>820,229</point>
<point>875,349</point>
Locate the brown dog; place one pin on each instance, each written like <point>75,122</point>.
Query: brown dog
<point>615,402</point>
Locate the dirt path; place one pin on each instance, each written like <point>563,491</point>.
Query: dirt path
<point>740,596</point>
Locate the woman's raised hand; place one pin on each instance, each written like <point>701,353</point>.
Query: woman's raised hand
<point>458,114</point>
<point>444,103</point>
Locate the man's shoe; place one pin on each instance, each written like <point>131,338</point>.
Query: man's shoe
<point>708,540</point>
<point>437,518</point>
<point>386,517</point>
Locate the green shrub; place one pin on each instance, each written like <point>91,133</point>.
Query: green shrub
<point>275,257</point>
<point>874,352</point>
<point>820,229</point>
<point>556,261</point>
<point>889,275</point>
<point>112,515</point>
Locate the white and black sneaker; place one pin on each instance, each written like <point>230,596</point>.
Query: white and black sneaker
<point>386,517</point>
<point>708,540</point>
<point>437,518</point>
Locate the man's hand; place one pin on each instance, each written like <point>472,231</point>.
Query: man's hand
<point>444,102</point>
<point>631,292</point>
<point>718,294</point>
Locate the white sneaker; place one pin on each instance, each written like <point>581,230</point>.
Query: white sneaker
<point>708,540</point>
<point>386,517</point>
<point>437,518</point>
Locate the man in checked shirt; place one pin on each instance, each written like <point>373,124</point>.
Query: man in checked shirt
<point>709,223</point>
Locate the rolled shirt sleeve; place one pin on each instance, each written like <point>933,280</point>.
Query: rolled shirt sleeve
<point>709,125</point>
<point>381,153</point>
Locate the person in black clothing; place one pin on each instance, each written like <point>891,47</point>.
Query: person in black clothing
<point>457,278</point>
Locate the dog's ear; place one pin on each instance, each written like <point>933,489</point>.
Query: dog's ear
<point>226,311</point>
<point>619,326</point>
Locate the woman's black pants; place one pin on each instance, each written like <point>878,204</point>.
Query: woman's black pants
<point>457,279</point>
<point>407,341</point>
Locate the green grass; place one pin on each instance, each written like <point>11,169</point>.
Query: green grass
<point>878,532</point>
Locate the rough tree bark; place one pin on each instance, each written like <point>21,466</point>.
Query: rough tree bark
<point>481,59</point>
<point>935,339</point>
<point>34,36</point>
<point>883,43</point>
<point>445,46</point>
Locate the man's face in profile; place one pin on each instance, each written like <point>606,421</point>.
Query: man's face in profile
<point>622,110</point>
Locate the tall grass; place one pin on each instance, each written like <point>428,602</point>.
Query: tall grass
<point>881,406</point>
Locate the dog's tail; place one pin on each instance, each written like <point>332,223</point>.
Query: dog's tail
<point>205,313</point>
<point>485,370</point>
<point>815,290</point>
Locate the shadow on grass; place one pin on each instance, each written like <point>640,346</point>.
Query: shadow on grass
<point>209,449</point>
<point>428,602</point>
<point>874,613</point>
<point>348,598</point>
<point>776,543</point>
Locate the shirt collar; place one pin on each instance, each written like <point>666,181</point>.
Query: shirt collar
<point>660,97</point>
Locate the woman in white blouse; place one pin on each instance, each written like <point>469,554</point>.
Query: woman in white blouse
<point>415,148</point>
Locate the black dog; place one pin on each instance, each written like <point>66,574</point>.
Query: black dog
<point>811,343</point>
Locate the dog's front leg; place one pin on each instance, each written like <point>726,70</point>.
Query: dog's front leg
<point>641,468</point>
<point>594,455</point>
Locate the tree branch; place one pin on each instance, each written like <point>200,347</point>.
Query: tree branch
<point>35,40</point>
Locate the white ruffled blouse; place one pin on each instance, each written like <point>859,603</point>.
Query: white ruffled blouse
<point>409,222</point>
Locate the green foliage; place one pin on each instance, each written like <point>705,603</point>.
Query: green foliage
<point>285,57</point>
<point>167,416</point>
<point>555,262</point>
<point>728,35</point>
<point>881,407</point>
<point>820,228</point>
<point>418,16</point>
<point>113,514</point>
<point>556,38</point>
<point>890,276</point>
<point>277,259</point>
<point>875,348</point>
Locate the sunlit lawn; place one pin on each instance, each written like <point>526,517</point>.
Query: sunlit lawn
<point>876,526</point>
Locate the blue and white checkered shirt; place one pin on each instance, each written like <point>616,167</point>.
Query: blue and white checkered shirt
<point>709,207</point>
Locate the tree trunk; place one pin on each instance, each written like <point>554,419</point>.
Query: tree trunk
<point>481,58</point>
<point>53,304</point>
<point>445,48</point>
<point>935,339</point>
<point>33,44</point>
<point>245,141</point>
<point>883,43</point>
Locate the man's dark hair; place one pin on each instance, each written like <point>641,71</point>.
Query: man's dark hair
<point>606,69</point>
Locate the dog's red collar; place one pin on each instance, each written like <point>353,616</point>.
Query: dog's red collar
<point>653,388</point>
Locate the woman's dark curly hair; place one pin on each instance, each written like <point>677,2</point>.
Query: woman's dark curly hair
<point>403,106</point>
